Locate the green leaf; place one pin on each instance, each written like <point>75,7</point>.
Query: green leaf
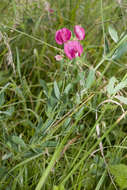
<point>106,46</point>
<point>110,86</point>
<point>19,92</point>
<point>120,173</point>
<point>120,51</point>
<point>113,34</point>
<point>5,87</point>
<point>18,140</point>
<point>122,99</point>
<point>100,182</point>
<point>44,85</point>
<point>56,90</point>
<point>113,90</point>
<point>52,102</point>
<point>120,86</point>
<point>26,87</point>
<point>2,99</point>
<point>49,144</point>
<point>90,79</point>
<point>68,88</point>
<point>18,63</point>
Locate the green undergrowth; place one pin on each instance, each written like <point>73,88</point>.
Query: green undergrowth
<point>63,124</point>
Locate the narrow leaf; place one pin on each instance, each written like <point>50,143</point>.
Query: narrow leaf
<point>122,99</point>
<point>90,79</point>
<point>56,90</point>
<point>110,86</point>
<point>113,34</point>
<point>120,51</point>
<point>68,88</point>
<point>120,86</point>
<point>2,99</point>
<point>18,140</point>
<point>106,46</point>
<point>18,63</point>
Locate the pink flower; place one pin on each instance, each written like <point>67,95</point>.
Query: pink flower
<point>73,49</point>
<point>58,57</point>
<point>62,35</point>
<point>79,32</point>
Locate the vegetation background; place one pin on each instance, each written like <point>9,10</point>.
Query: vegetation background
<point>63,125</point>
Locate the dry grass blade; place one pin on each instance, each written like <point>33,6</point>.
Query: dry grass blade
<point>9,56</point>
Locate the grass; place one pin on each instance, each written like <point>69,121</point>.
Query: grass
<point>63,124</point>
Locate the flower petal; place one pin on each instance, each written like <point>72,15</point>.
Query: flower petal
<point>73,49</point>
<point>62,35</point>
<point>79,32</point>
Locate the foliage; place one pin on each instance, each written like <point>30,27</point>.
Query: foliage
<point>63,123</point>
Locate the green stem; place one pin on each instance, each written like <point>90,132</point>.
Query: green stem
<point>100,63</point>
<point>102,18</point>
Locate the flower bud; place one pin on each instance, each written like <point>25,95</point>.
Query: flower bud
<point>58,57</point>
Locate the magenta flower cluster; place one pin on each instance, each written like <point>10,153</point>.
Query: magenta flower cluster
<point>72,48</point>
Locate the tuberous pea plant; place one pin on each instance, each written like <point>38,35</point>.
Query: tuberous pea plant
<point>73,49</point>
<point>114,88</point>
